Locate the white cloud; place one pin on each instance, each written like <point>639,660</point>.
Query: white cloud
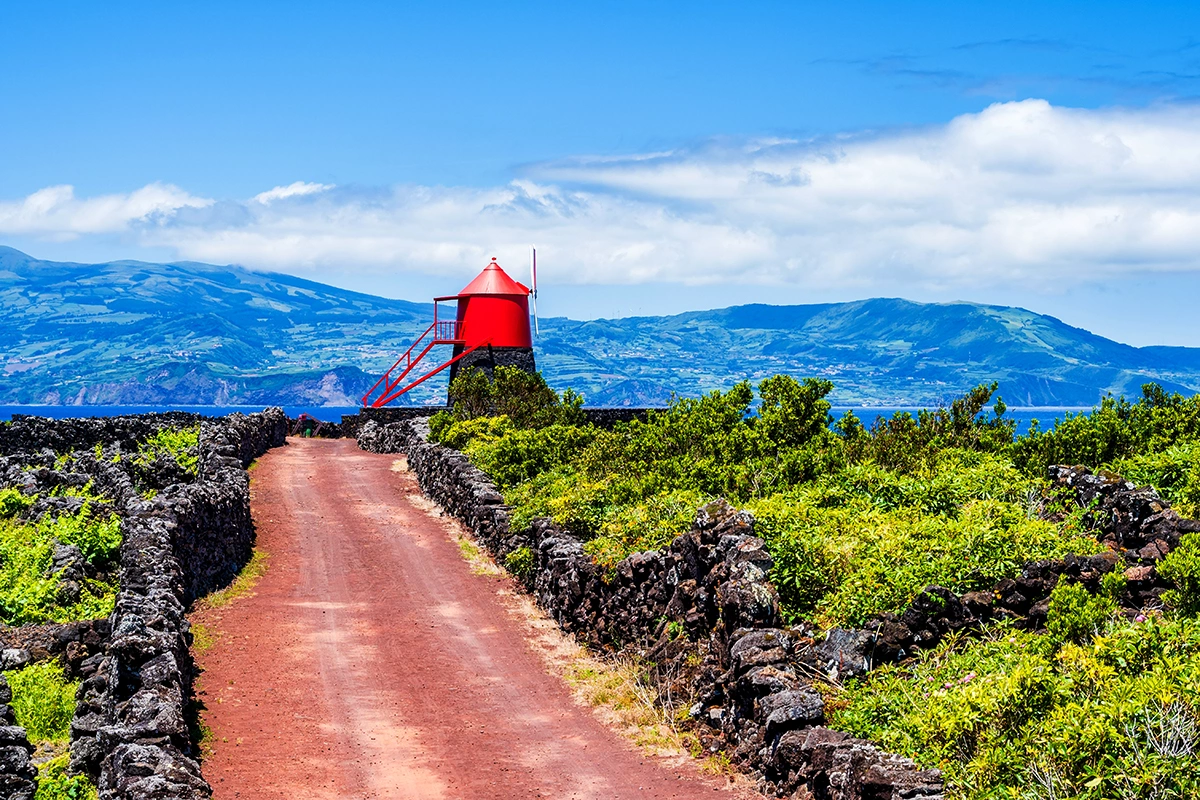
<point>1019,191</point>
<point>297,189</point>
<point>55,212</point>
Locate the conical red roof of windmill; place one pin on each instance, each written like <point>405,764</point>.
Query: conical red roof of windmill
<point>494,280</point>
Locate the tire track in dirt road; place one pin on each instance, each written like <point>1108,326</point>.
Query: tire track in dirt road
<point>371,662</point>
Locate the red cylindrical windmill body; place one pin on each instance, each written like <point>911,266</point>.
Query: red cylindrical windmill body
<point>493,309</point>
<point>491,330</point>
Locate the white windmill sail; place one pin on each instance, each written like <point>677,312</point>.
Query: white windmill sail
<point>533,285</point>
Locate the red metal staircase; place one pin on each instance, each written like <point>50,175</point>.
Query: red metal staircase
<point>440,332</point>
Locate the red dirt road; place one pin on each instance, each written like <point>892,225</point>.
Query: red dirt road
<point>370,662</point>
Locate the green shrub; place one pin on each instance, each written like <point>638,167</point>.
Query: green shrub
<point>1175,472</point>
<point>470,394</point>
<point>97,535</point>
<point>1182,567</point>
<point>649,525</point>
<point>906,443</point>
<point>55,784</point>
<point>1115,430</point>
<point>439,423</point>
<point>1076,615</point>
<point>841,565</point>
<point>520,562</point>
<point>460,433</point>
<point>29,592</point>
<point>1006,712</point>
<point>523,397</point>
<point>13,502</point>
<point>43,701</point>
<point>179,444</point>
<point>513,456</point>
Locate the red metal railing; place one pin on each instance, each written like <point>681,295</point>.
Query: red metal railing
<point>440,332</point>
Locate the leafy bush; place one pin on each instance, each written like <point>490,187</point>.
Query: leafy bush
<point>1076,615</point>
<point>179,444</point>
<point>1012,711</point>
<point>13,502</point>
<point>1182,567</point>
<point>95,533</point>
<point>1115,430</point>
<point>447,430</point>
<point>648,525</point>
<point>55,784</point>
<point>520,562</point>
<point>523,397</point>
<point>43,701</point>
<point>29,592</point>
<point>1175,472</point>
<point>841,565</point>
<point>519,455</point>
<point>906,443</point>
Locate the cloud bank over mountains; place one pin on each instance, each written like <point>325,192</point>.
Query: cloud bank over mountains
<point>1021,191</point>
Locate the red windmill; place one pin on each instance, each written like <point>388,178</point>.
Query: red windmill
<point>490,328</point>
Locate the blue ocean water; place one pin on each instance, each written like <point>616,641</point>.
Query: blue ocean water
<point>1024,416</point>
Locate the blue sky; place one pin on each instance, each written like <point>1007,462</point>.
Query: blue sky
<point>663,156</point>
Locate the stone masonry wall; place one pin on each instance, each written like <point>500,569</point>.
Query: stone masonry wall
<point>130,730</point>
<point>17,773</point>
<point>752,699</point>
<point>30,434</point>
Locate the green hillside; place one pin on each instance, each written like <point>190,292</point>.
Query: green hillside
<point>876,352</point>
<point>131,332</point>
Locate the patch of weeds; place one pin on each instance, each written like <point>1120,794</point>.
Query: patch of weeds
<point>29,592</point>
<point>255,568</point>
<point>468,549</point>
<point>520,562</point>
<point>206,741</point>
<point>478,560</point>
<point>718,764</point>
<point>43,701</point>
<point>13,502</point>
<point>55,784</point>
<point>179,444</point>
<point>199,731</point>
<point>622,689</point>
<point>203,638</point>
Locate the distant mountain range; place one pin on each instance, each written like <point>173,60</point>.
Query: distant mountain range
<point>129,332</point>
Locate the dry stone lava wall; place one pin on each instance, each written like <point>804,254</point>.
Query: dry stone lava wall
<point>130,730</point>
<point>17,773</point>
<point>744,669</point>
